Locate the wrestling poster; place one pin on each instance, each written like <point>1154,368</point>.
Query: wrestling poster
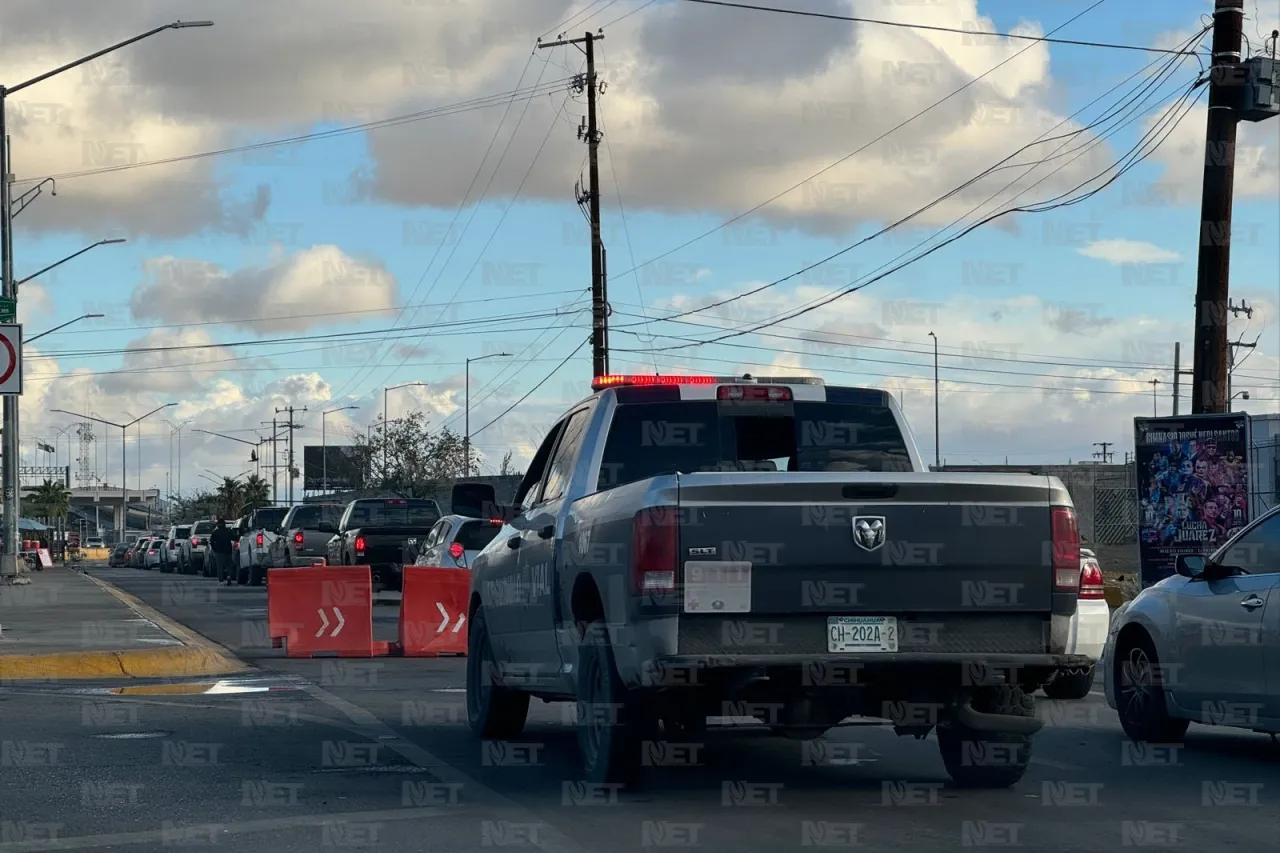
<point>1193,487</point>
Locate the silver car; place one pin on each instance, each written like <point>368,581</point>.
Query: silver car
<point>1202,646</point>
<point>456,541</point>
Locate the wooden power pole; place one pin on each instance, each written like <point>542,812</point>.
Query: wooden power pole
<point>591,197</point>
<point>1226,78</point>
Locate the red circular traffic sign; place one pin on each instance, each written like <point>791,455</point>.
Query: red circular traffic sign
<point>13,358</point>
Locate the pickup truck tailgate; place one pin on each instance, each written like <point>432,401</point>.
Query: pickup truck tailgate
<point>958,564</point>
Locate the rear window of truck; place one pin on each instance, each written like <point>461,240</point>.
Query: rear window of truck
<point>657,438</point>
<point>394,513</point>
<point>202,527</point>
<point>309,517</point>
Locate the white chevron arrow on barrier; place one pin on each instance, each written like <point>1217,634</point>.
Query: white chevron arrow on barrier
<point>444,623</point>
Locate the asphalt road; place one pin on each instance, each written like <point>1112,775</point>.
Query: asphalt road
<point>376,753</point>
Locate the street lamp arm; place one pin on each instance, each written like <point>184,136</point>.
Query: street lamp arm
<point>63,326</point>
<point>149,414</point>
<point>89,418</point>
<point>82,60</point>
<point>230,437</point>
<point>67,258</point>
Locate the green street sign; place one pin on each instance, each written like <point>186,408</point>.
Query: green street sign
<point>8,310</point>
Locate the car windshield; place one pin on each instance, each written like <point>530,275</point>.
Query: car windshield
<point>475,535</point>
<point>649,439</point>
<point>393,512</point>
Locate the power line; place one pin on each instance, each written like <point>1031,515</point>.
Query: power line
<point>458,108</point>
<point>744,214</point>
<point>529,393</point>
<point>1040,207</point>
<point>860,20</point>
<point>354,381</point>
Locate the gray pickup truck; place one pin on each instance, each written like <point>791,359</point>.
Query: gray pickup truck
<point>770,548</point>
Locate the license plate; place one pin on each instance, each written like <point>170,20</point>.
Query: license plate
<point>862,634</point>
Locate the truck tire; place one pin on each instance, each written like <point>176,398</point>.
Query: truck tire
<point>611,721</point>
<point>977,759</point>
<point>494,712</point>
<point>1139,692</point>
<point>1071,684</point>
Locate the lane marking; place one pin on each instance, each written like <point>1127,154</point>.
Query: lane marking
<point>551,841</point>
<point>194,833</point>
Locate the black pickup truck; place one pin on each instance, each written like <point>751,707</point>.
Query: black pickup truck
<point>373,532</point>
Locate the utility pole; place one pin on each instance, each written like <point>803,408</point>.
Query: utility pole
<point>1178,373</point>
<point>1103,454</point>
<point>1153,383</point>
<point>1209,368</point>
<point>591,135</point>
<point>291,426</point>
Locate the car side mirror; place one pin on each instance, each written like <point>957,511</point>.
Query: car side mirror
<point>326,527</point>
<point>1190,566</point>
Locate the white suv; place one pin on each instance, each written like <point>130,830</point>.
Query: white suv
<point>196,547</point>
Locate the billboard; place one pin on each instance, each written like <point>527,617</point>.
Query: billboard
<point>342,463</point>
<point>1193,487</point>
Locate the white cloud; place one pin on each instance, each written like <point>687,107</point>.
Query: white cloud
<point>1121,251</point>
<point>309,289</point>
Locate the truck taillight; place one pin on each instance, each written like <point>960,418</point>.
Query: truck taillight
<point>297,540</point>
<point>1066,549</point>
<point>195,540</point>
<point>1091,583</point>
<point>359,544</point>
<point>259,540</point>
<point>456,550</point>
<point>655,550</point>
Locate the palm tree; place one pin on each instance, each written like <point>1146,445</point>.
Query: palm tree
<point>257,492</point>
<point>51,500</point>
<point>230,498</point>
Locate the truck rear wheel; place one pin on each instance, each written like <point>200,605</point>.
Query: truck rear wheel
<point>610,721</point>
<point>494,712</point>
<point>981,759</point>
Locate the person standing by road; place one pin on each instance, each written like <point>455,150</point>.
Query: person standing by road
<point>220,544</point>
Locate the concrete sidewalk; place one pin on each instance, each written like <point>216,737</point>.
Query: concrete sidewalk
<point>69,625</point>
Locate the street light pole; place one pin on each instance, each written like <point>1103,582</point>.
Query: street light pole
<point>9,290</point>
<point>124,467</point>
<point>466,410</point>
<point>386,419</point>
<point>937,402</point>
<point>324,447</point>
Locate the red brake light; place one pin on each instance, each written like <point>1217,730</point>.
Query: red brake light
<point>1066,549</point>
<point>1091,583</point>
<point>614,380</point>
<point>195,540</point>
<point>259,540</point>
<point>496,522</point>
<point>395,502</point>
<point>360,544</point>
<point>456,551</point>
<point>655,550</point>
<point>297,537</point>
<point>771,393</point>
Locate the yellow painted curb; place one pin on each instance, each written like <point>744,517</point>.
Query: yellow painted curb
<point>198,656</point>
<point>176,662</point>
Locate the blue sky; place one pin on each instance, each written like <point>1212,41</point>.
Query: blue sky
<point>991,297</point>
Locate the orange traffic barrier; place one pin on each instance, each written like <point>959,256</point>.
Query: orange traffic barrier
<point>322,610</point>
<point>433,611</point>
